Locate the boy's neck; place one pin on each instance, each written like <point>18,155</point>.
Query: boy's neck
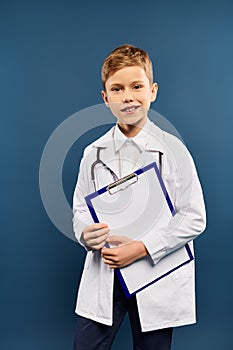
<point>130,130</point>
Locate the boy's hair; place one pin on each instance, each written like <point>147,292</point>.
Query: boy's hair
<point>126,56</point>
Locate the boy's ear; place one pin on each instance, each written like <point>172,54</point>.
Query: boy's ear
<point>105,98</point>
<point>154,91</point>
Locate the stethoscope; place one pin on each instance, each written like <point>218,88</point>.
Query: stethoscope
<point>99,161</point>
<point>114,176</point>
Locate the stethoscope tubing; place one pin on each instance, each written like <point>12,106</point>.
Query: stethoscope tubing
<point>114,176</point>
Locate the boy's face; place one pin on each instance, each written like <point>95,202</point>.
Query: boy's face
<point>128,93</point>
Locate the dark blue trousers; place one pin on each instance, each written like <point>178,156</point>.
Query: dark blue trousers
<point>91,335</point>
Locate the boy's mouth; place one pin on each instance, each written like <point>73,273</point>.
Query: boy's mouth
<point>129,109</point>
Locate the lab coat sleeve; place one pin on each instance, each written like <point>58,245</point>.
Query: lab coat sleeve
<point>81,214</point>
<point>182,181</point>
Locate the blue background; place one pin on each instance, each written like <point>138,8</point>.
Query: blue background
<point>51,55</point>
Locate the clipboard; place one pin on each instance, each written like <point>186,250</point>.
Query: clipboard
<point>133,206</point>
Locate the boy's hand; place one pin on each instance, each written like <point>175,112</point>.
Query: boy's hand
<point>95,235</point>
<point>123,255</point>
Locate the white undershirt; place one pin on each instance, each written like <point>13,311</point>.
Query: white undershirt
<point>129,150</point>
<point>128,155</point>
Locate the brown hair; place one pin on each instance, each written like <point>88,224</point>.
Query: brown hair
<point>126,56</point>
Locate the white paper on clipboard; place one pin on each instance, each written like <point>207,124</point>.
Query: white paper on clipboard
<point>132,207</point>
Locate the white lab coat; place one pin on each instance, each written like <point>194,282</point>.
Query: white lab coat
<point>169,302</point>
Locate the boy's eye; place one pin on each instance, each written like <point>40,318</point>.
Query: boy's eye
<point>115,88</point>
<point>137,86</point>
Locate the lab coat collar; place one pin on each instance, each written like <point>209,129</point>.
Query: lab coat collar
<point>141,139</point>
<point>152,139</point>
<point>155,139</point>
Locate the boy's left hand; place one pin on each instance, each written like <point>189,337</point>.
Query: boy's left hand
<point>123,255</point>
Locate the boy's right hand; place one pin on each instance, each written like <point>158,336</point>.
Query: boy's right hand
<point>95,235</point>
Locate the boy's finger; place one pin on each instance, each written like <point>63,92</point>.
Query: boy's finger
<point>99,225</point>
<point>96,234</point>
<point>98,239</point>
<point>98,246</point>
<point>108,252</point>
<point>105,251</point>
<point>100,233</point>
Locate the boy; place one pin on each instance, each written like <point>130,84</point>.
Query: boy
<point>101,306</point>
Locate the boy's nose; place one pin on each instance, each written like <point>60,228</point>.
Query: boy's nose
<point>127,96</point>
